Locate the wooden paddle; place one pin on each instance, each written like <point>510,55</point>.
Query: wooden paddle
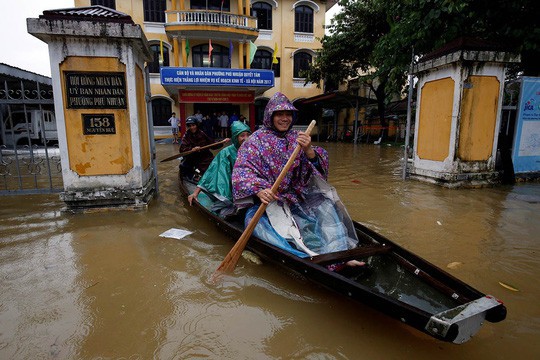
<point>229,263</point>
<point>192,151</point>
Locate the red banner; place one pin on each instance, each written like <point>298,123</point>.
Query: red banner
<point>208,96</point>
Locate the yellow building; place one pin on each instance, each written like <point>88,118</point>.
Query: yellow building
<point>280,37</point>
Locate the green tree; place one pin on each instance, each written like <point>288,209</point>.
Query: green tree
<point>350,50</point>
<point>427,25</point>
<point>373,39</point>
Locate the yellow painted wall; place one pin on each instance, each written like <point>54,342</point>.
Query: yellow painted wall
<point>142,120</point>
<point>435,119</point>
<point>282,34</point>
<point>478,118</point>
<point>96,154</point>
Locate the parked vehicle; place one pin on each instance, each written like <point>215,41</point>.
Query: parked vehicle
<point>26,128</point>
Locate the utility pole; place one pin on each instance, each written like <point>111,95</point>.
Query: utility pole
<point>408,128</point>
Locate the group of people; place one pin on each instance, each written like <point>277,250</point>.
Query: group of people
<point>305,216</point>
<point>215,125</point>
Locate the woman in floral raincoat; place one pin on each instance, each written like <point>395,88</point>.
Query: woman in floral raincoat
<point>305,216</point>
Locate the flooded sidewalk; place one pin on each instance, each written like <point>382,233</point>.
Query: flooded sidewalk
<point>104,284</point>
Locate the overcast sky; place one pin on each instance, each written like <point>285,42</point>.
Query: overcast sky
<point>19,48</point>
<point>23,50</point>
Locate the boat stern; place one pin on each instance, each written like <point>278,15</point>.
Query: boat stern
<point>459,324</point>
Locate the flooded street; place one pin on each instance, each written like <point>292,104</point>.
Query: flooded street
<point>105,285</point>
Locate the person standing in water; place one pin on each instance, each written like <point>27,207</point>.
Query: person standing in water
<point>174,121</point>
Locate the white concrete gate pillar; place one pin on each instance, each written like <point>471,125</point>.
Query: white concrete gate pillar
<point>97,62</point>
<point>460,89</point>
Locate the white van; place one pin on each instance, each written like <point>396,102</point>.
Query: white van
<point>28,129</point>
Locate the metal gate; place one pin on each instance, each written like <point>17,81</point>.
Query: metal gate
<point>29,154</point>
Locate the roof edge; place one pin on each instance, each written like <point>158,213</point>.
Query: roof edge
<point>89,13</point>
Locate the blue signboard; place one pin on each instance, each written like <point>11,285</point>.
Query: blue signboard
<point>216,77</point>
<point>526,149</point>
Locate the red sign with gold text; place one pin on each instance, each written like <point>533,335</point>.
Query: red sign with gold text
<point>203,96</point>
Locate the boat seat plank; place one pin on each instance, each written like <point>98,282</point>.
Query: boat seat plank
<point>346,255</point>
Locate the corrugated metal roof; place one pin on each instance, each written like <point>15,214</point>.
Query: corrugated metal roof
<point>335,99</point>
<point>15,72</point>
<point>90,13</point>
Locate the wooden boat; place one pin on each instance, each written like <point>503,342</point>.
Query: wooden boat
<point>395,281</point>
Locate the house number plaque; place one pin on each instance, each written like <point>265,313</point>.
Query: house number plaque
<point>98,124</point>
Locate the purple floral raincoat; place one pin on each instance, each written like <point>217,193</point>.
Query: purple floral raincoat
<point>262,157</point>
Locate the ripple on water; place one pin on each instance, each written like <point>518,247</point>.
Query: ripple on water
<point>207,314</point>
<point>236,285</point>
<point>216,331</point>
<point>313,353</point>
<point>185,332</point>
<point>88,324</point>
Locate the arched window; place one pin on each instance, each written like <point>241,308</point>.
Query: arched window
<point>154,10</point>
<point>211,5</point>
<point>153,67</point>
<point>111,4</point>
<point>262,60</point>
<point>220,56</point>
<point>263,12</point>
<point>303,19</point>
<point>161,111</point>
<point>302,62</point>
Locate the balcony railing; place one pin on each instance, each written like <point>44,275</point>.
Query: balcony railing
<point>215,18</point>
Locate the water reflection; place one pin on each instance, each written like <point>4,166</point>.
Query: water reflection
<point>105,285</point>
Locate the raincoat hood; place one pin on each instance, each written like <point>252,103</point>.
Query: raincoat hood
<point>237,128</point>
<point>278,102</point>
<point>192,120</point>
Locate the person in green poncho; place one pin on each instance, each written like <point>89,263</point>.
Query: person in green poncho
<point>216,181</point>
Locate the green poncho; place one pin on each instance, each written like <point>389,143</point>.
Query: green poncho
<point>217,179</point>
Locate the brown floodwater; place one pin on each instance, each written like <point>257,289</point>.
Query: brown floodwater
<point>105,285</point>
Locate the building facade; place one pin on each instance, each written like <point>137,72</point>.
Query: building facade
<point>263,39</point>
